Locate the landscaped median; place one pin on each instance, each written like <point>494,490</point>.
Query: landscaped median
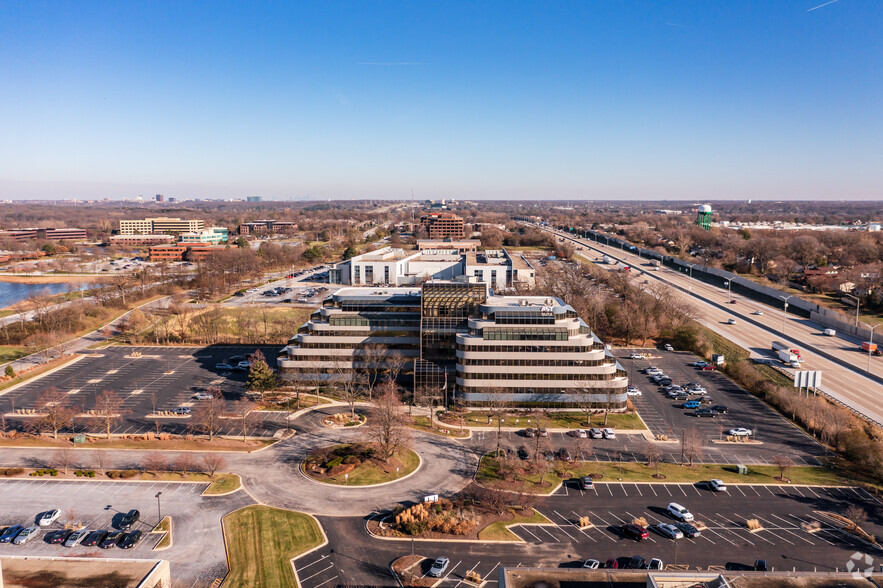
<point>261,541</point>
<point>544,477</point>
<point>544,419</point>
<point>219,484</point>
<point>146,442</point>
<point>358,464</point>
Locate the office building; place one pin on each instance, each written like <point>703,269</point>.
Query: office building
<point>183,252</point>
<point>22,235</point>
<point>443,225</point>
<point>253,198</point>
<point>212,235</point>
<point>135,240</point>
<point>267,226</point>
<point>159,198</point>
<point>462,246</point>
<point>157,225</point>
<point>392,266</point>
<point>463,342</point>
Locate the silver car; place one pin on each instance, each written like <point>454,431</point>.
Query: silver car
<point>25,535</point>
<point>76,538</point>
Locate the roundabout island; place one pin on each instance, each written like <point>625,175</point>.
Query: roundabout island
<point>359,464</point>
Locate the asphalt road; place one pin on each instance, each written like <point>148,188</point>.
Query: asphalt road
<point>197,556</point>
<point>847,385</point>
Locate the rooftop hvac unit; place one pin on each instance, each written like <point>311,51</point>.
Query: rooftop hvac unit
<point>523,302</point>
<point>549,302</point>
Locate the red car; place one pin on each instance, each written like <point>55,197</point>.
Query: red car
<point>709,368</point>
<point>733,301</point>
<point>611,564</point>
<point>636,532</point>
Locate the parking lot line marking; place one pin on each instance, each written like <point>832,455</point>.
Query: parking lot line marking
<point>526,530</point>
<point>740,490</point>
<point>550,534</point>
<point>681,489</point>
<point>709,529</point>
<point>451,571</point>
<point>740,527</point>
<point>317,573</point>
<point>667,490</point>
<point>325,582</point>
<point>638,488</point>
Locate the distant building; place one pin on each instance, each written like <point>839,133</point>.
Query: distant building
<point>212,235</point>
<point>253,198</point>
<point>22,235</point>
<point>462,246</point>
<point>443,225</point>
<point>260,227</point>
<point>159,198</point>
<point>157,225</point>
<point>135,240</point>
<point>179,251</point>
<point>390,266</point>
<point>873,227</point>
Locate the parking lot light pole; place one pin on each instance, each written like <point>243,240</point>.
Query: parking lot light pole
<point>785,310</point>
<point>871,344</point>
<point>691,266</point>
<point>158,506</point>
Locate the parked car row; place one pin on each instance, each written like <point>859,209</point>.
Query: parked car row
<point>635,562</point>
<point>124,538</point>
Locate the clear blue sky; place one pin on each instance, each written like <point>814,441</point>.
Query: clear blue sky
<point>541,100</point>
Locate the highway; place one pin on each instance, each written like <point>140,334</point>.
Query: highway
<point>850,387</point>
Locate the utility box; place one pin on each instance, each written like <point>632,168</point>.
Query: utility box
<point>718,359</point>
<point>79,438</point>
<point>742,470</point>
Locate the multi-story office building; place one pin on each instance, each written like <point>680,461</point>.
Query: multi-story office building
<point>66,234</point>
<point>213,235</point>
<point>462,246</point>
<point>151,226</point>
<point>391,266</point>
<point>464,344</point>
<point>178,251</point>
<point>535,350</point>
<point>333,343</point>
<point>443,225</point>
<point>135,240</point>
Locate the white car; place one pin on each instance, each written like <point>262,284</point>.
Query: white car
<point>48,517</point>
<point>25,535</point>
<point>633,392</point>
<point>680,512</point>
<point>718,485</point>
<point>655,564</point>
<point>609,433</point>
<point>668,347</point>
<point>758,312</point>
<point>636,356</point>
<point>731,322</point>
<point>581,434</point>
<point>739,432</point>
<point>591,564</point>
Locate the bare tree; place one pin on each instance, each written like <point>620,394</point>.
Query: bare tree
<point>99,457</point>
<point>246,417</point>
<point>784,463</point>
<point>497,407</point>
<point>856,515</point>
<point>109,407</point>
<point>347,385</point>
<point>57,413</point>
<point>395,365</point>
<point>691,444</point>
<point>654,455</point>
<point>207,416</point>
<point>372,357</point>
<point>155,462</point>
<point>427,396</point>
<point>64,458</point>
<point>212,462</point>
<point>585,403</point>
<point>388,427</point>
<point>185,463</point>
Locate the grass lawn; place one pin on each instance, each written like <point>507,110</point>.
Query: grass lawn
<point>40,370</point>
<point>674,473</point>
<point>556,420</point>
<point>373,472</point>
<point>261,541</point>
<point>307,400</point>
<point>239,324</point>
<point>154,444</point>
<point>421,423</point>
<point>164,525</point>
<point>725,347</point>
<point>12,352</point>
<point>223,484</point>
<point>498,531</point>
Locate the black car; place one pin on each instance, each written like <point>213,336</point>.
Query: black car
<point>688,530</point>
<point>564,455</point>
<point>94,538</point>
<point>110,540</point>
<point>522,453</point>
<point>760,565</point>
<point>720,408</point>
<point>636,563</point>
<point>130,539</point>
<point>59,536</point>
<point>705,412</point>
<point>129,519</point>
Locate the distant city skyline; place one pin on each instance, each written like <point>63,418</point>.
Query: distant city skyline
<point>731,100</point>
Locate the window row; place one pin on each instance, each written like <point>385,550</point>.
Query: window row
<point>535,377</point>
<point>536,362</point>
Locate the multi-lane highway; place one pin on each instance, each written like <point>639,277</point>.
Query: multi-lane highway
<point>848,385</point>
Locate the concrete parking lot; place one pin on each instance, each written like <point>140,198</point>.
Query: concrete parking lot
<point>352,557</point>
<point>168,376</point>
<point>197,555</point>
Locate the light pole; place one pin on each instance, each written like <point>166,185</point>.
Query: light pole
<point>158,506</point>
<point>871,344</point>
<point>785,310</point>
<point>730,289</point>
<point>857,304</point>
<point>691,266</point>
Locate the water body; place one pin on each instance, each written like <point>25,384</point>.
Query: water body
<point>10,293</point>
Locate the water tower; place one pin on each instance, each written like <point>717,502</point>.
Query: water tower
<point>703,217</point>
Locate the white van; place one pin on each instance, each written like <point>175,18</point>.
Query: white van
<point>680,513</point>
<point>831,332</point>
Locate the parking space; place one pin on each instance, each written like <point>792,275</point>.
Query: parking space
<point>145,378</point>
<point>196,557</point>
<point>667,417</point>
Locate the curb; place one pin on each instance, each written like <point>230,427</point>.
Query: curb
<point>360,486</point>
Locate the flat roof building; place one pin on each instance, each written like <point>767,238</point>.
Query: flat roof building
<point>462,246</point>
<point>162,224</point>
<point>63,234</point>
<point>134,240</point>
<point>443,225</point>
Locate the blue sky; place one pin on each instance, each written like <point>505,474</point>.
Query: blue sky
<point>502,100</point>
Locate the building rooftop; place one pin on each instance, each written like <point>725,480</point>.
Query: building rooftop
<point>385,254</point>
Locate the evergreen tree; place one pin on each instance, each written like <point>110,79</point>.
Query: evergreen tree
<point>260,377</point>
